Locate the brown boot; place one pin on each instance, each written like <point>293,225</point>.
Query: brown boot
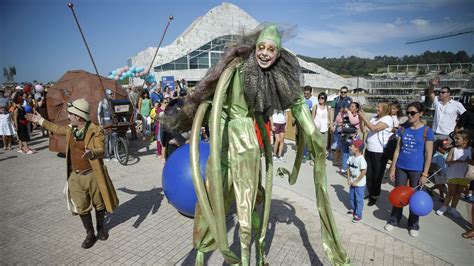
<point>90,238</point>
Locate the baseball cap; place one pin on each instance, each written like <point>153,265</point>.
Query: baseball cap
<point>359,144</point>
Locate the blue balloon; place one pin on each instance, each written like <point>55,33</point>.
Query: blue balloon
<point>177,180</point>
<point>28,108</point>
<point>421,203</point>
<point>113,73</point>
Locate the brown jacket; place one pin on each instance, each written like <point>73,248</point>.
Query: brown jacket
<point>94,141</point>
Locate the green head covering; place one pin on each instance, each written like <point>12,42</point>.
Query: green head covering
<point>270,32</point>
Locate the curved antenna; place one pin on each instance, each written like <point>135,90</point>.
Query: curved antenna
<point>71,6</point>
<point>170,18</point>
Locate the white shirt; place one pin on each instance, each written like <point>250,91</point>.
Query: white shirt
<point>279,117</point>
<point>356,164</point>
<point>396,121</point>
<point>458,170</point>
<point>321,118</point>
<point>445,116</point>
<point>376,141</point>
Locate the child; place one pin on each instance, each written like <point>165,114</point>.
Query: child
<point>458,158</point>
<point>439,162</point>
<point>6,128</point>
<point>396,114</point>
<point>154,114</point>
<point>356,179</point>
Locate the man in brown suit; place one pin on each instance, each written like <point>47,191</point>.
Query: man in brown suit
<point>88,183</point>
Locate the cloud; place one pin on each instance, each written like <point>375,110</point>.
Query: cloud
<point>357,38</point>
<point>420,23</point>
<point>392,5</point>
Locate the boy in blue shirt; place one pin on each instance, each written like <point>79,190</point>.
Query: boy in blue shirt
<point>356,179</point>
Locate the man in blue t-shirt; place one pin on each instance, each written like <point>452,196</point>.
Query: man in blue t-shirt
<point>341,101</point>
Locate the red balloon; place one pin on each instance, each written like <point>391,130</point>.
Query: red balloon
<point>400,196</point>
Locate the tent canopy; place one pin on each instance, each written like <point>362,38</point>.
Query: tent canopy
<point>73,85</point>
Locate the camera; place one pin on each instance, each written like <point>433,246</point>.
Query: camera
<point>347,131</point>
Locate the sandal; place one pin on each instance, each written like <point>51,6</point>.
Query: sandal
<point>469,234</point>
<point>20,151</point>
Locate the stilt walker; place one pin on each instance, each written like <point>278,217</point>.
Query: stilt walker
<point>254,77</point>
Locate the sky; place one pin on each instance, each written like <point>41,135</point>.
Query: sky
<point>41,39</point>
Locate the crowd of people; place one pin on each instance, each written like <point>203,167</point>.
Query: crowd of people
<point>413,150</point>
<point>361,146</point>
<point>15,103</point>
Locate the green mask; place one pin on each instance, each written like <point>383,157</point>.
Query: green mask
<point>270,33</point>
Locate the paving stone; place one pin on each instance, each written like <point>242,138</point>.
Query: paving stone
<point>146,230</point>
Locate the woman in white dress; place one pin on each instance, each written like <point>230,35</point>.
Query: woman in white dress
<point>6,128</point>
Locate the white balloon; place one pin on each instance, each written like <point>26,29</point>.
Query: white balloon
<point>39,88</point>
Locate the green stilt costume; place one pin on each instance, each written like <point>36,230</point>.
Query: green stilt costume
<point>233,168</point>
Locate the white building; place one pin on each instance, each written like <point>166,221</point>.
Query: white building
<point>202,43</point>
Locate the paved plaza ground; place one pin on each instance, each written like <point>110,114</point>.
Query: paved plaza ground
<point>36,227</point>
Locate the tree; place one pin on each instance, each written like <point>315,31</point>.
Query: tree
<point>9,73</point>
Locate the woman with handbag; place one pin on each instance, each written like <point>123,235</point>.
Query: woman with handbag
<point>411,162</point>
<point>379,131</point>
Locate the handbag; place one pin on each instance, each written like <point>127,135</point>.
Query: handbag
<point>390,147</point>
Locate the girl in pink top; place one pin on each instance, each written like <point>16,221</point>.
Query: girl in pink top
<point>347,125</point>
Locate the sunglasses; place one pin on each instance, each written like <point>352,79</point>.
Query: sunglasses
<point>321,98</point>
<point>412,113</point>
<point>443,92</point>
<point>343,92</point>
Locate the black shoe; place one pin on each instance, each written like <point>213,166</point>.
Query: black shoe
<point>371,202</point>
<point>89,241</point>
<point>90,238</point>
<point>102,234</point>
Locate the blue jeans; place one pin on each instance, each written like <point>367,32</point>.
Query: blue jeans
<point>401,179</point>
<point>356,196</point>
<point>345,155</point>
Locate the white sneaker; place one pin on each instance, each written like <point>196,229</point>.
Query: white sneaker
<point>455,213</point>
<point>388,227</point>
<point>441,210</point>
<point>414,233</point>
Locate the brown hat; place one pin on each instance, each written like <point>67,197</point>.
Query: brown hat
<point>80,108</point>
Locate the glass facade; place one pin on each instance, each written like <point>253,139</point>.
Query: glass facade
<point>202,58</point>
<point>307,71</point>
<point>205,56</point>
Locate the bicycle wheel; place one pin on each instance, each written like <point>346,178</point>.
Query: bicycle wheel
<point>121,151</point>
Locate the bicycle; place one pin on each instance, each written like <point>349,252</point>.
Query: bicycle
<point>119,134</point>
